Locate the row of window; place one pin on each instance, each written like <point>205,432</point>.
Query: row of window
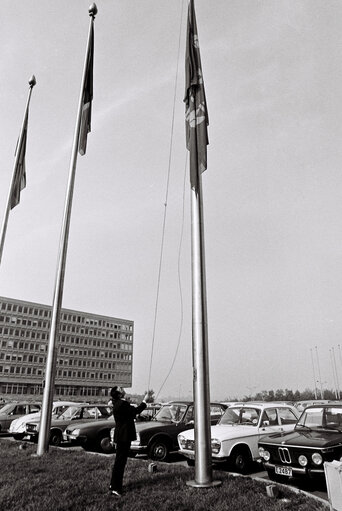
<point>76,318</point>
<point>60,390</point>
<point>61,373</point>
<point>11,343</point>
<point>64,328</point>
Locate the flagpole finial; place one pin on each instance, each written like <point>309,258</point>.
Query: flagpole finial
<point>92,10</point>
<point>32,81</point>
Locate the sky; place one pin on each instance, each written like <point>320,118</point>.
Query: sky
<point>272,193</point>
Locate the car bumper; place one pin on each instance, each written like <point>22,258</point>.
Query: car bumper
<point>138,448</point>
<point>215,459</point>
<point>77,440</point>
<point>298,471</point>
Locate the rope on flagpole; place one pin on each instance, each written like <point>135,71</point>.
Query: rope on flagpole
<point>179,282</point>
<point>165,204</point>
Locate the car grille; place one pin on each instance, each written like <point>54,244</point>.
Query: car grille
<point>284,455</point>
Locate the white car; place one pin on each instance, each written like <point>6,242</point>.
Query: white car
<point>18,426</point>
<point>234,440</point>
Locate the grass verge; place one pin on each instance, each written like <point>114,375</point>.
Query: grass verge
<point>65,480</point>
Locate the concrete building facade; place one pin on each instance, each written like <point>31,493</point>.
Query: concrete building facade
<point>94,352</point>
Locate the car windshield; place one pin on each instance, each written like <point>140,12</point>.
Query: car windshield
<point>170,413</point>
<point>318,418</point>
<point>240,415</point>
<point>7,408</point>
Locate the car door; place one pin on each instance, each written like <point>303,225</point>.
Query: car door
<point>269,422</point>
<point>18,411</point>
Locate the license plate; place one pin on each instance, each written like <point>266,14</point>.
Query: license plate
<point>284,471</point>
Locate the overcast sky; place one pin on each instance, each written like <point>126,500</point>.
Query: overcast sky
<point>272,192</point>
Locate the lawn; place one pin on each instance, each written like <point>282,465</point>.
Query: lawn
<point>65,480</point>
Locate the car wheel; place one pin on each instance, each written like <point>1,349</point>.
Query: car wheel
<point>241,460</point>
<point>55,438</point>
<point>105,444</point>
<point>18,436</point>
<point>159,450</point>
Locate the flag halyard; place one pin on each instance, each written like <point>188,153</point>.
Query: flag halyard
<point>85,127</point>
<point>196,113</point>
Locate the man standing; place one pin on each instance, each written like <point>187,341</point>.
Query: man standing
<point>124,433</point>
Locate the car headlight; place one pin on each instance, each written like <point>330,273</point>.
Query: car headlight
<point>215,446</point>
<point>75,432</point>
<point>317,458</point>
<point>182,441</point>
<point>302,460</point>
<point>264,454</point>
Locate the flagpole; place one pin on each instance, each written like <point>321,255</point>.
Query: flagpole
<point>196,123</point>
<point>203,464</point>
<point>32,82</point>
<point>45,422</point>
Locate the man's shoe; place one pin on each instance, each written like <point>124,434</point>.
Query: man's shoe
<point>115,493</point>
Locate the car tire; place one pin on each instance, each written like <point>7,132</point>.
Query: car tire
<point>105,444</point>
<point>241,460</point>
<point>159,450</point>
<point>18,436</point>
<point>55,438</point>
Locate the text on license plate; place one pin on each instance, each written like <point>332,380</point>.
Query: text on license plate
<point>284,471</point>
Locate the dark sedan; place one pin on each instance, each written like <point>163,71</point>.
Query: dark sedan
<point>158,437</point>
<point>316,438</point>
<point>91,435</point>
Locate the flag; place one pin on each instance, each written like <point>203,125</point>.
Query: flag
<point>196,114</point>
<point>19,179</point>
<point>87,97</point>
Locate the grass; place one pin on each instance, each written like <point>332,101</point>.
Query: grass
<point>65,480</point>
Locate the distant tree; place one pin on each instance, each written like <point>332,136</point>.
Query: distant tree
<point>279,395</point>
<point>296,396</point>
<point>270,396</point>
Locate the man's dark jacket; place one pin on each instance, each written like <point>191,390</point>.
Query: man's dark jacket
<point>124,415</point>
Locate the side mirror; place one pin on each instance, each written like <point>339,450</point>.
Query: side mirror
<point>266,423</point>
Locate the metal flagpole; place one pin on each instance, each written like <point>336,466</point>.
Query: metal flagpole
<point>319,374</point>
<point>203,465</point>
<point>43,440</point>
<point>32,82</point>
<point>313,372</point>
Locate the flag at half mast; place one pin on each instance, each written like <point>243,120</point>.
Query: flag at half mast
<point>196,113</point>
<point>19,179</point>
<point>87,97</point>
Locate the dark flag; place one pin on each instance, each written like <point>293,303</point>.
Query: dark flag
<point>196,114</point>
<point>19,180</point>
<point>87,97</point>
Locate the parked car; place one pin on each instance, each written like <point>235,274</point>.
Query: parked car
<point>234,440</point>
<point>301,405</point>
<point>79,413</point>
<point>18,426</point>
<point>94,434</point>
<point>316,438</point>
<point>158,437</point>
<point>11,411</point>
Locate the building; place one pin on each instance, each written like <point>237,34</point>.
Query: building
<point>93,353</point>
